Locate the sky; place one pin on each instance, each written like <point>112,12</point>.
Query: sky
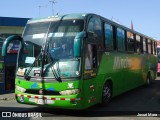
<point>144,14</point>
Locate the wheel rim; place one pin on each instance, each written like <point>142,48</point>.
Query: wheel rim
<point>148,81</point>
<point>106,94</point>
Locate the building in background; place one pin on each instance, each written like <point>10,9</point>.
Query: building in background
<point>9,26</point>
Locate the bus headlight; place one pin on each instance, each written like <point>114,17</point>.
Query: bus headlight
<point>20,89</point>
<point>21,71</point>
<point>69,92</point>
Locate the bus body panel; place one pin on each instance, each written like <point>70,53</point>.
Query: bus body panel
<point>126,71</point>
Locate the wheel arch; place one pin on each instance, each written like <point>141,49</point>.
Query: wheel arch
<point>107,82</point>
<point>110,81</point>
<point>148,78</point>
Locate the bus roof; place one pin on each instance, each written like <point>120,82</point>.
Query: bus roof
<point>59,17</point>
<point>83,16</point>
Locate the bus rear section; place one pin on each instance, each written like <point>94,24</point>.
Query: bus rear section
<point>158,66</point>
<point>158,71</point>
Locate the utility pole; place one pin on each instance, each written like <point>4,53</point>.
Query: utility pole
<point>52,2</point>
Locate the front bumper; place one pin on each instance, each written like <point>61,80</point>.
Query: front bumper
<point>66,102</point>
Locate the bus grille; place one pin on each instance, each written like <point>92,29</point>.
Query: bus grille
<point>45,92</point>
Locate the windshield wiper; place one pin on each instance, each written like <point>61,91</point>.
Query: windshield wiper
<point>26,75</point>
<point>52,62</point>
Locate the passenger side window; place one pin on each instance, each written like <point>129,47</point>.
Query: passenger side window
<point>120,39</point>
<point>138,44</point>
<point>91,57</point>
<point>108,29</point>
<point>154,47</point>
<point>91,61</point>
<point>95,27</point>
<point>144,45</point>
<point>130,42</point>
<point>149,46</point>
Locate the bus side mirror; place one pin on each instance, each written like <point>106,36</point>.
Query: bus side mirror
<point>9,40</point>
<point>78,43</point>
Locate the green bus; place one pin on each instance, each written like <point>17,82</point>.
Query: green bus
<point>75,61</point>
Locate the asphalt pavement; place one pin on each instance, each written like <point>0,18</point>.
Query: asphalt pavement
<point>7,95</point>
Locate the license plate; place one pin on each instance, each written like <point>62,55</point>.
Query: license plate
<point>31,100</point>
<point>49,102</point>
<point>39,101</point>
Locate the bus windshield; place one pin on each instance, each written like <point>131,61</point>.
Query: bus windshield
<point>59,37</point>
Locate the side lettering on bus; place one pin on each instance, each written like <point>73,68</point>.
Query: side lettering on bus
<point>120,63</point>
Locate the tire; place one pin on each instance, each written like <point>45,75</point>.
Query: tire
<point>148,81</point>
<point>106,93</point>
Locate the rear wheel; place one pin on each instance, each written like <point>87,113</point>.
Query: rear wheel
<point>106,93</point>
<point>148,81</point>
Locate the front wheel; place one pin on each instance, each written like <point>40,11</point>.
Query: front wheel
<point>106,93</point>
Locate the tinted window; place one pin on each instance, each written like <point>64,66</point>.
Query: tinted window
<point>108,36</point>
<point>130,41</point>
<point>149,46</point>
<point>94,26</point>
<point>144,45</point>
<point>153,47</point>
<point>138,44</point>
<point>120,39</point>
